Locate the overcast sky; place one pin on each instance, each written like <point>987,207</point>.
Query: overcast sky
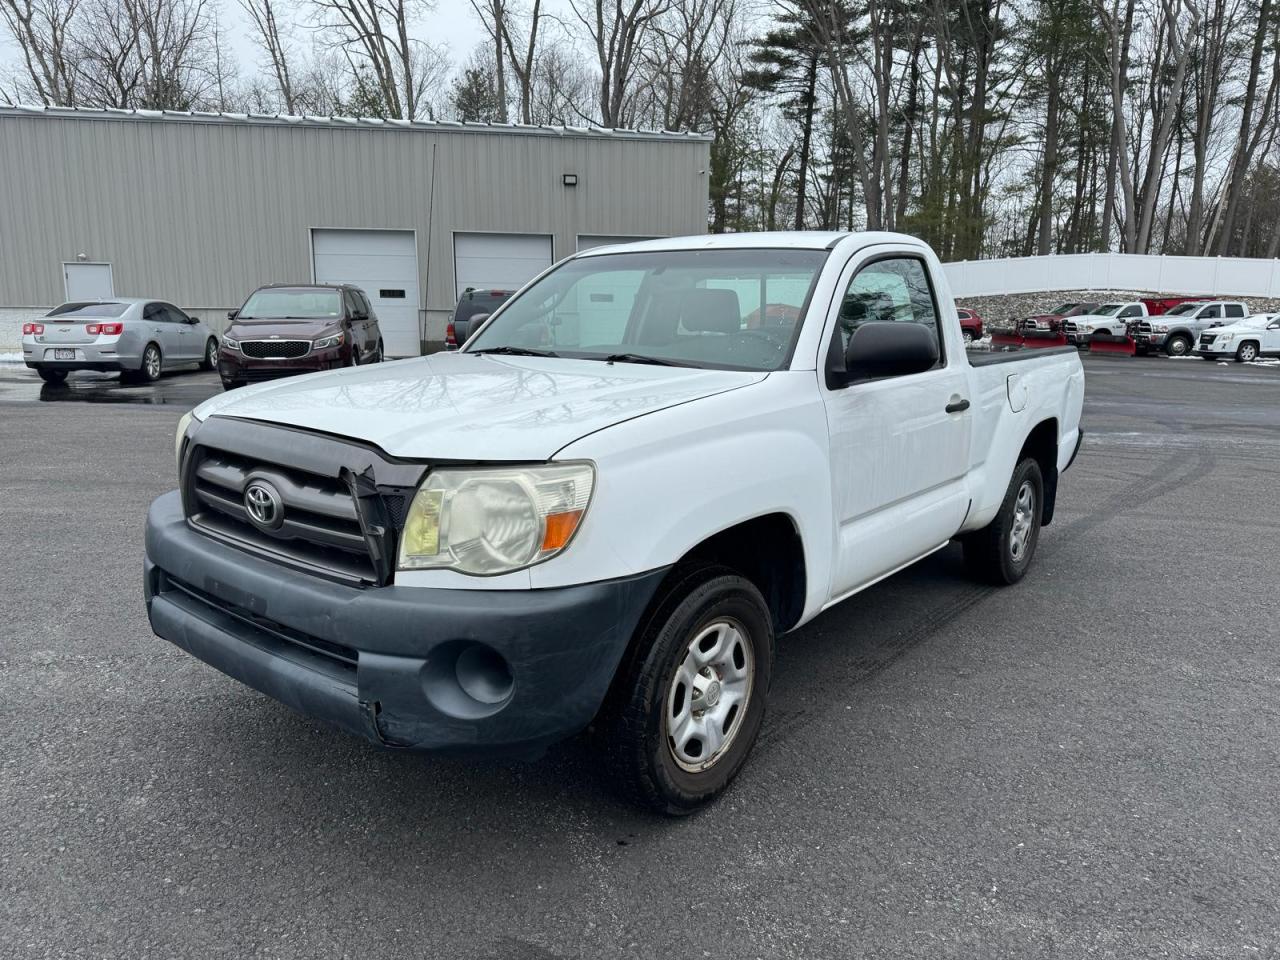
<point>452,23</point>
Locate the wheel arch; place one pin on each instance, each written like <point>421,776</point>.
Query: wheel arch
<point>767,550</point>
<point>1042,445</point>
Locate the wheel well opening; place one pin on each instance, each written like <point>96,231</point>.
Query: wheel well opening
<point>1042,444</point>
<point>767,551</point>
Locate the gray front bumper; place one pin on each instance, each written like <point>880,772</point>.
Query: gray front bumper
<point>385,662</point>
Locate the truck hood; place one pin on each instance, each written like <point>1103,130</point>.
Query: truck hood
<point>1098,318</point>
<point>460,406</point>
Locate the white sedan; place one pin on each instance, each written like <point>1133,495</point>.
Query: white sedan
<point>1248,339</point>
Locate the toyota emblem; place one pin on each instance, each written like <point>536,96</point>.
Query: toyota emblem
<point>263,505</point>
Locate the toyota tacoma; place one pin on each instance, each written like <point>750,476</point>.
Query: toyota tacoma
<point>605,508</point>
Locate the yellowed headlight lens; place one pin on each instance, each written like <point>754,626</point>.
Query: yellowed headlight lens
<point>422,528</point>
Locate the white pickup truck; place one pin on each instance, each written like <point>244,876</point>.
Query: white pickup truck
<point>638,472</point>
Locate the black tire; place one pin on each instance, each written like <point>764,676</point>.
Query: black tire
<point>990,553</point>
<point>210,361</point>
<point>967,336</point>
<point>1179,345</point>
<point>1140,351</point>
<point>1247,352</point>
<point>230,384</point>
<point>52,376</point>
<point>378,356</point>
<point>151,368</point>
<point>633,723</point>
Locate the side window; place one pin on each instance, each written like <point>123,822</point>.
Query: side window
<point>1212,312</point>
<point>364,302</point>
<point>1235,310</point>
<point>1130,312</point>
<point>895,289</point>
<point>352,304</point>
<point>155,313</point>
<point>174,314</point>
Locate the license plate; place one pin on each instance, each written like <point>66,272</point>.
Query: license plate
<point>64,354</point>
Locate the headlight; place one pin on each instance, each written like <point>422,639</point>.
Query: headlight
<point>1087,328</point>
<point>230,344</point>
<point>324,343</point>
<point>1160,327</point>
<point>492,520</point>
<point>179,436</point>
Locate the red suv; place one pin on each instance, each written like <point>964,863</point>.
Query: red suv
<point>284,329</point>
<point>970,324</point>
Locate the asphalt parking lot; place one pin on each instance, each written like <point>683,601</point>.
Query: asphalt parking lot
<point>1087,764</point>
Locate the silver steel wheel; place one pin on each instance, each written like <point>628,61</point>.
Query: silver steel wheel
<point>709,693</point>
<point>211,354</point>
<point>1248,352</point>
<point>968,336</point>
<point>1023,518</point>
<point>1178,347</point>
<point>151,363</point>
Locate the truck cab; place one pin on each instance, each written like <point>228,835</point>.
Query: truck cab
<point>1109,321</point>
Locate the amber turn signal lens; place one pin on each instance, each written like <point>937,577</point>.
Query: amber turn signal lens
<point>560,527</point>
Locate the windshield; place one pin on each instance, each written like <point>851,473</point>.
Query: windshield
<point>72,311</point>
<point>1063,308</point>
<point>728,309</point>
<point>1109,309</point>
<point>1182,309</point>
<point>285,304</point>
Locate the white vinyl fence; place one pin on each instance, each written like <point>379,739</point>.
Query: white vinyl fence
<point>1212,276</point>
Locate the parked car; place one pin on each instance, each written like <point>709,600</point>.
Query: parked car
<point>1244,340</point>
<point>970,324</point>
<point>139,337</point>
<point>1176,330</point>
<point>612,528</point>
<point>283,329</point>
<point>1110,320</point>
<point>473,303</point>
<point>1051,323</point>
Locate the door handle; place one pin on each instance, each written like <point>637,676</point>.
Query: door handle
<point>957,405</point>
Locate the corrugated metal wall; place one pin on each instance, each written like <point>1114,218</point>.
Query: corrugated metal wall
<point>202,211</point>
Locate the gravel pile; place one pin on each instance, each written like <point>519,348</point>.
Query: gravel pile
<point>1004,310</point>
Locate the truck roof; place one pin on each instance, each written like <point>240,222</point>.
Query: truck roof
<point>764,240</point>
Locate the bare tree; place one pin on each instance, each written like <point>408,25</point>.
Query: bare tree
<point>618,30</point>
<point>264,15</point>
<point>42,31</point>
<point>375,36</point>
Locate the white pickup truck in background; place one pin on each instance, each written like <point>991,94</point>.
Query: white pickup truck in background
<point>602,511</point>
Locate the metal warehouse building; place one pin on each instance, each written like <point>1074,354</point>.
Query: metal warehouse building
<point>199,209</point>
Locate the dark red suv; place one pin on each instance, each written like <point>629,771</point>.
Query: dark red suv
<point>284,329</point>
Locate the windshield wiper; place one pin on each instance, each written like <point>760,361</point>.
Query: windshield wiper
<point>642,358</point>
<point>516,352</point>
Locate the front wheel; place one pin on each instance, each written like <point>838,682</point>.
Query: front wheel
<point>210,360</point>
<point>1247,353</point>
<point>1178,346</point>
<point>968,337</point>
<point>690,699</point>
<point>1001,552</point>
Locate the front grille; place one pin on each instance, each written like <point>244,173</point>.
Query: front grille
<point>1145,328</point>
<point>1208,338</point>
<point>275,349</point>
<point>320,531</point>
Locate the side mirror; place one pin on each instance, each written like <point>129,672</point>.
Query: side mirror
<point>886,348</point>
<point>232,314</point>
<point>193,320</point>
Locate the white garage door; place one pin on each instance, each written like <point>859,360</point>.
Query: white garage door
<point>384,264</point>
<point>591,241</point>
<point>498,261</point>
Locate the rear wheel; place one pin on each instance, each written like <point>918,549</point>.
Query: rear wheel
<point>1001,552</point>
<point>1178,345</point>
<point>690,699</point>
<point>377,356</point>
<point>151,367</point>
<point>230,384</point>
<point>210,360</point>
<point>1247,353</point>
<point>52,376</point>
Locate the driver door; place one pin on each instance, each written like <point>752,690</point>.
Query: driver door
<point>899,445</point>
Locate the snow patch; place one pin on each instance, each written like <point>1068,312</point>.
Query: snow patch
<point>10,357</point>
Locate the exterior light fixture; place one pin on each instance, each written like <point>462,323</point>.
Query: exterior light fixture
<point>570,179</point>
